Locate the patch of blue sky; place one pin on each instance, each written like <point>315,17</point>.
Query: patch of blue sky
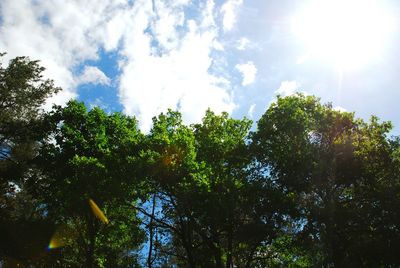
<point>219,65</point>
<point>153,42</point>
<point>42,16</point>
<point>104,96</point>
<point>193,10</point>
<point>244,96</point>
<point>156,48</point>
<point>45,19</point>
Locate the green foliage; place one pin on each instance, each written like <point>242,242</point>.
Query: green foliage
<point>339,170</point>
<point>311,187</point>
<point>210,202</point>
<point>23,91</point>
<point>92,155</point>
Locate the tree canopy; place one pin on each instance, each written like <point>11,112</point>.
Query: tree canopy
<point>309,186</point>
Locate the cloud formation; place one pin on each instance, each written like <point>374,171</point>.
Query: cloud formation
<point>250,112</point>
<point>165,57</point>
<point>287,88</point>
<point>339,109</point>
<point>61,34</point>
<point>243,43</point>
<point>229,12</point>
<point>93,75</point>
<point>176,75</point>
<point>248,71</point>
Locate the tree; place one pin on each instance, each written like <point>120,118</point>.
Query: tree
<point>311,187</point>
<point>213,210</point>
<point>338,169</point>
<point>92,155</point>
<point>23,91</point>
<point>172,175</point>
<point>229,209</point>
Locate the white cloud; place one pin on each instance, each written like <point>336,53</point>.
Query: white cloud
<point>287,88</point>
<point>243,43</point>
<point>250,112</point>
<point>165,59</point>
<point>178,78</point>
<point>248,71</point>
<point>93,75</point>
<point>339,109</point>
<point>167,18</point>
<point>229,12</point>
<point>60,34</point>
<point>218,46</point>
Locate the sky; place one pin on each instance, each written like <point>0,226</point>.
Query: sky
<point>142,57</point>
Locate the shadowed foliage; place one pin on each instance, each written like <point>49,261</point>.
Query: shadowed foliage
<point>310,186</point>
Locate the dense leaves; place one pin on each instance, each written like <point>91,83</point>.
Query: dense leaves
<point>340,171</point>
<point>309,187</point>
<point>92,155</point>
<point>23,91</point>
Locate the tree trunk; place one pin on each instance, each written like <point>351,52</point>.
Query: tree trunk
<point>186,237</point>
<point>91,241</point>
<point>229,255</point>
<point>151,229</point>
<point>218,258</point>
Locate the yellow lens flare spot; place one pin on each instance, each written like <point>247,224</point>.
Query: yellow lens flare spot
<point>172,156</point>
<point>61,237</point>
<point>97,212</point>
<point>55,243</point>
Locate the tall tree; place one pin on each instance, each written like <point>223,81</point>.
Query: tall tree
<point>23,91</point>
<point>172,175</point>
<point>213,208</point>
<point>335,167</point>
<point>92,155</point>
<point>229,210</point>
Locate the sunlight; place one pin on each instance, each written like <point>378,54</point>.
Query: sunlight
<point>347,33</point>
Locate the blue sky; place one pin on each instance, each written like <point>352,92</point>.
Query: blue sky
<point>143,57</point>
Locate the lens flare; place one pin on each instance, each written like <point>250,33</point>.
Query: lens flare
<point>97,212</point>
<point>172,156</point>
<point>55,243</point>
<point>61,237</point>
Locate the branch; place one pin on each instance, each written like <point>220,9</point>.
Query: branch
<point>162,223</point>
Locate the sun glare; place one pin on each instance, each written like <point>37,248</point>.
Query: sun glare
<point>347,33</point>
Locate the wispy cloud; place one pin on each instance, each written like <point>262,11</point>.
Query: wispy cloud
<point>98,102</point>
<point>243,43</point>
<point>248,71</point>
<point>229,12</point>
<point>250,112</point>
